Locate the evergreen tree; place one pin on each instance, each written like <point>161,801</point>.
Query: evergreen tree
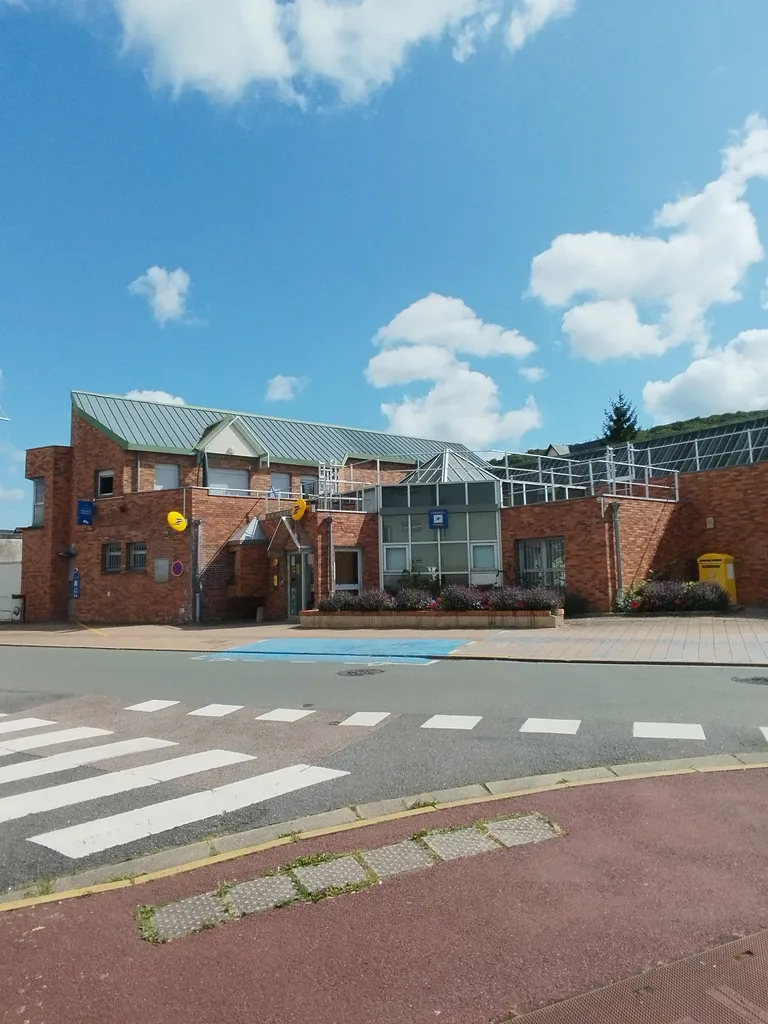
<point>620,421</point>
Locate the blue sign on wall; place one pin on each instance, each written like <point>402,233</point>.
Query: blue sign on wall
<point>438,519</point>
<point>76,584</point>
<point>85,513</point>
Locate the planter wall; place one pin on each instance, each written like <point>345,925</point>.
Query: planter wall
<point>432,620</point>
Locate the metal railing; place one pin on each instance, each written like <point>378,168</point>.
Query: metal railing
<point>551,478</point>
<point>276,501</point>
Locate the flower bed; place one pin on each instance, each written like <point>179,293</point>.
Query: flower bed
<point>673,597</point>
<point>455,608</point>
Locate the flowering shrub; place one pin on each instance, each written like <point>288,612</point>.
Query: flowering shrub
<point>339,602</point>
<point>676,596</point>
<point>409,600</point>
<point>374,601</point>
<point>508,599</point>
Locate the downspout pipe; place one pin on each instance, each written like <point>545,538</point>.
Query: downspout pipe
<point>331,559</point>
<point>617,542</point>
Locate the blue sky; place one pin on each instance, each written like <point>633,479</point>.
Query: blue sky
<point>338,211</point>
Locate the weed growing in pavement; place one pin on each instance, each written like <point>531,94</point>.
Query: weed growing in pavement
<point>422,805</point>
<point>293,836</point>
<point>224,889</point>
<point>145,915</point>
<point>43,887</point>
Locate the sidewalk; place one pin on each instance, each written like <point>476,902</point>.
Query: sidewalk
<point>740,639</point>
<point>634,874</point>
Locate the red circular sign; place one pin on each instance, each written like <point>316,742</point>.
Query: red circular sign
<point>177,568</point>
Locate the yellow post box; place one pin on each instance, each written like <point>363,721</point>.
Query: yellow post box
<point>721,569</point>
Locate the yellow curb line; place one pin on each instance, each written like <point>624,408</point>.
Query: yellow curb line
<point>92,629</point>
<point>273,844</point>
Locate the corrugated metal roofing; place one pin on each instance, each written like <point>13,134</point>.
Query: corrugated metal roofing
<point>451,467</point>
<point>154,426</point>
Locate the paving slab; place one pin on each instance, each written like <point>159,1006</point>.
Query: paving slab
<point>332,874</point>
<point>398,858</point>
<point>176,920</point>
<point>529,828</point>
<point>465,842</point>
<point>261,894</point>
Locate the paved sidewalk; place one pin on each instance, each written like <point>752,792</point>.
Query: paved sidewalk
<point>740,639</point>
<point>643,872</point>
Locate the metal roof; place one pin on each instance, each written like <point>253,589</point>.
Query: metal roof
<point>142,425</point>
<point>451,467</point>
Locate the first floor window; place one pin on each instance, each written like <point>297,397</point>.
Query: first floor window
<point>105,483</point>
<point>541,562</point>
<point>228,482</point>
<point>137,555</point>
<point>166,476</point>
<point>38,501</point>
<point>395,559</point>
<point>280,485</point>
<point>112,557</point>
<point>483,557</point>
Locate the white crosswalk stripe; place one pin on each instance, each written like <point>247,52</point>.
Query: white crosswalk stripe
<point>667,731</point>
<point>366,718</point>
<point>216,710</point>
<point>76,758</point>
<point>91,837</point>
<point>22,724</point>
<point>153,705</point>
<point>50,739</point>
<point>551,726</point>
<point>284,715</point>
<point>452,722</point>
<point>67,795</point>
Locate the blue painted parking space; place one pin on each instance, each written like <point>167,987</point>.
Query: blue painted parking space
<point>401,652</point>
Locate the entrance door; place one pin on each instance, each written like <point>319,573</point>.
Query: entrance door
<point>349,570</point>
<point>301,583</point>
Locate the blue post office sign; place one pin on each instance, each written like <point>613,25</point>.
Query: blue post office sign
<point>85,513</point>
<point>76,584</point>
<point>438,519</point>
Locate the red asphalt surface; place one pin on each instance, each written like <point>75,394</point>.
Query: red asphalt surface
<point>650,871</point>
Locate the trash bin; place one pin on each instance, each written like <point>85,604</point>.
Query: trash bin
<point>721,569</point>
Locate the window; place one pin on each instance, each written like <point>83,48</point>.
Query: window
<point>347,570</point>
<point>38,501</point>
<point>483,557</point>
<point>420,531</point>
<point>166,476</point>
<point>162,570</point>
<point>394,497</point>
<point>456,528</point>
<point>424,557</point>
<point>394,529</point>
<point>423,496</point>
<point>482,526</point>
<point>137,556</point>
<point>454,557</point>
<point>105,483</point>
<point>542,562</point>
<point>482,494</point>
<point>112,557</point>
<point>395,559</point>
<point>228,482</point>
<point>453,494</point>
<point>281,485</point>
<point>308,486</point>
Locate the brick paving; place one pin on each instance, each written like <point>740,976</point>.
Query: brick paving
<point>740,639</point>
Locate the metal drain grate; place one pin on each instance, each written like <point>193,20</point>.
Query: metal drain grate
<point>754,680</point>
<point>362,672</point>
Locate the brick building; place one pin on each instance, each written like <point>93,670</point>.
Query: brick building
<point>379,507</point>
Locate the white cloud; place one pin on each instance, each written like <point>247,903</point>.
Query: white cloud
<point>647,294</point>
<point>225,48</point>
<point>530,17</point>
<point>165,290</point>
<point>422,344</point>
<point>156,396</point>
<point>11,452</point>
<point>284,389</point>
<point>534,374</point>
<point>11,494</point>
<point>764,296</point>
<point>734,377</point>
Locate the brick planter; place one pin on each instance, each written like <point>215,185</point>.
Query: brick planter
<point>432,620</point>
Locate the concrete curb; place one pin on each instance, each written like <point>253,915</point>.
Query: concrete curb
<point>220,849</point>
<point>393,658</point>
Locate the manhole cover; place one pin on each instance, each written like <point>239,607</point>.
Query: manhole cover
<point>362,672</point>
<point>754,680</point>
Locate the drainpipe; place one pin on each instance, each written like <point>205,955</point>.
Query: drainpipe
<point>331,559</point>
<point>195,574</point>
<point>617,542</point>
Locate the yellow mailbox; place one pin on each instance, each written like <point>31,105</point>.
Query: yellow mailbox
<point>721,569</point>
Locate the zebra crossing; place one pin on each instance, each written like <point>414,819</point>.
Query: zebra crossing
<point>108,831</point>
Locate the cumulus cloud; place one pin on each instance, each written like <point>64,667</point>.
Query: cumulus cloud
<point>423,344</point>
<point>11,493</point>
<point>725,379</point>
<point>646,294</point>
<point>224,48</point>
<point>156,396</point>
<point>284,389</point>
<point>165,291</point>
<point>534,374</point>
<point>530,17</point>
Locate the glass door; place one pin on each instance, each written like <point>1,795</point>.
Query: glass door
<point>308,590</point>
<point>295,585</point>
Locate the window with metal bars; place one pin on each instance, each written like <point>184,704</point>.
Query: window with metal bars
<point>112,557</point>
<point>541,562</point>
<point>137,556</point>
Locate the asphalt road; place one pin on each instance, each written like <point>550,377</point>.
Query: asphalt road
<point>47,831</point>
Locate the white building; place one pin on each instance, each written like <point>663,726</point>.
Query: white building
<point>10,572</point>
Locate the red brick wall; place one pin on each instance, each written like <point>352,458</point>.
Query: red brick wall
<point>642,526</point>
<point>736,500</point>
<point>44,574</point>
